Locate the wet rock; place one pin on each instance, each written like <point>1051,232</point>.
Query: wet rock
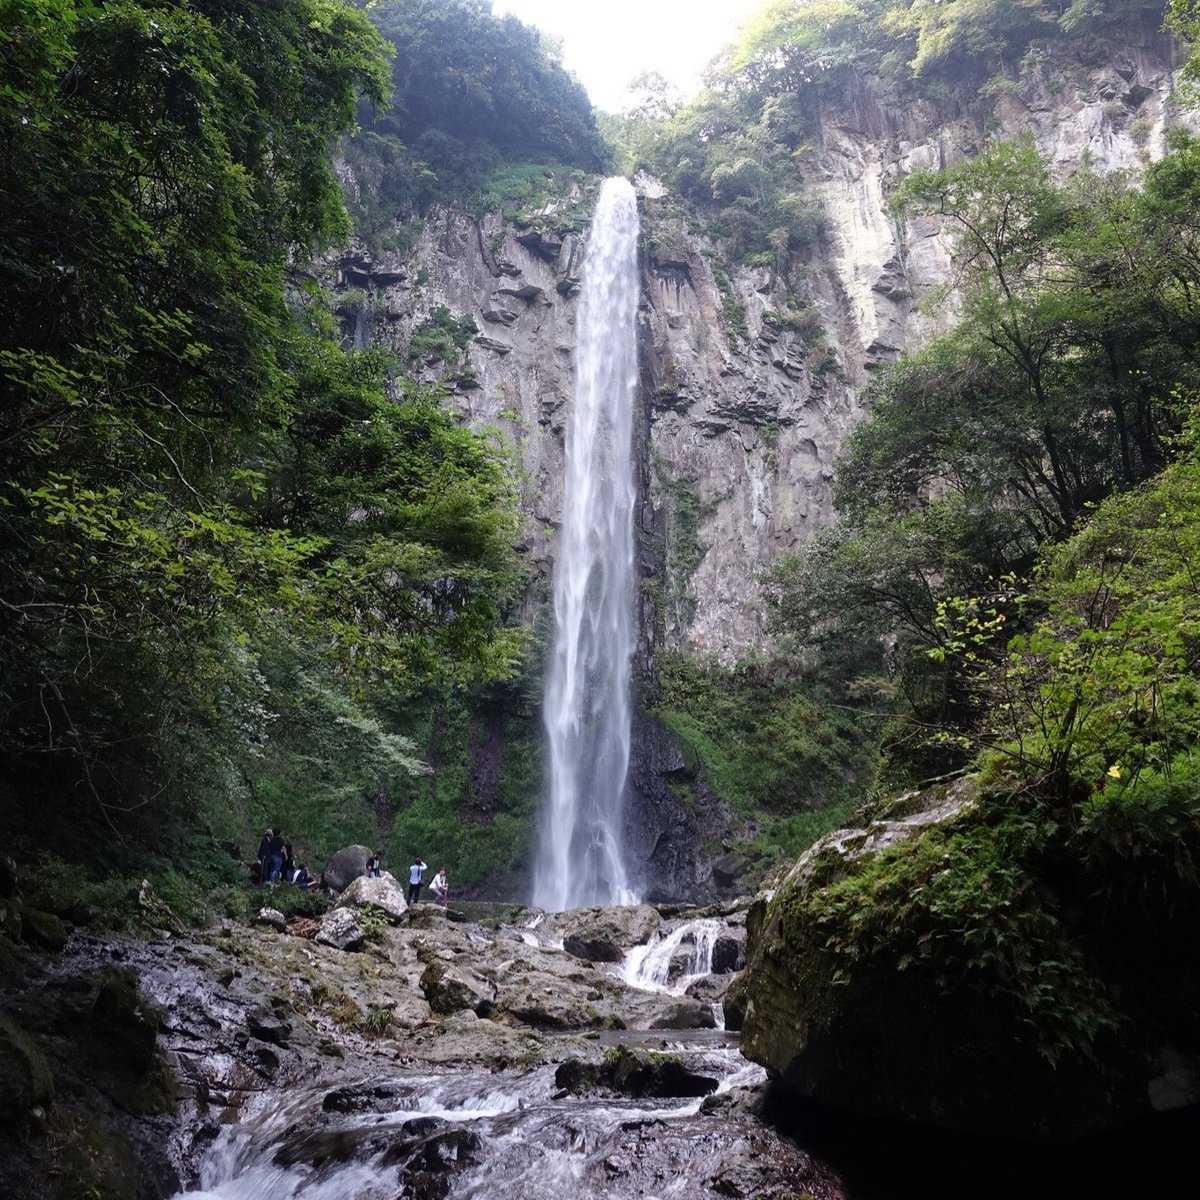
<point>345,867</point>
<point>382,893</point>
<point>365,1096</point>
<point>268,1027</point>
<point>607,934</point>
<point>43,929</point>
<point>25,1080</point>
<point>449,990</point>
<point>734,1003</point>
<point>686,1014</point>
<point>340,930</point>
<point>634,1073</point>
<point>729,953</point>
<point>271,917</point>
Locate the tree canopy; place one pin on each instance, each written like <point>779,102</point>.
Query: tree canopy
<point>193,473</point>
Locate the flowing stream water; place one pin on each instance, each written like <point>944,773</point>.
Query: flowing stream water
<point>475,1137</point>
<point>581,860</point>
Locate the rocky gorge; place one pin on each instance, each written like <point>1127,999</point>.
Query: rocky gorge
<point>381,1050</point>
<point>751,383</point>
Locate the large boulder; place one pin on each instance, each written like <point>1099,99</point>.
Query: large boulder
<point>25,1079</point>
<point>450,990</point>
<point>634,1073</point>
<point>341,930</point>
<point>381,892</point>
<point>937,965</point>
<point>607,934</point>
<point>345,867</point>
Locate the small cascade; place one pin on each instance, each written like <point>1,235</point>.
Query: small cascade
<point>476,1137</point>
<point>675,959</point>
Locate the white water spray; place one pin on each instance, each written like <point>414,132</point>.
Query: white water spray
<point>581,858</point>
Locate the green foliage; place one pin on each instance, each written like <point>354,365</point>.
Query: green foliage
<point>218,531</point>
<point>1056,388</point>
<point>474,95</point>
<point>1104,686</point>
<point>768,743</point>
<point>682,550</point>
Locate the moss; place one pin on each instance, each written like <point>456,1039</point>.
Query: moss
<point>89,1162</point>
<point>25,1079</point>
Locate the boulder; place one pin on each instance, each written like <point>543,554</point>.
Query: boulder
<point>43,929</point>
<point>8,877</point>
<point>729,952</point>
<point>634,1073</point>
<point>686,1014</point>
<point>607,934</point>
<point>271,917</point>
<point>345,867</point>
<point>128,1023</point>
<point>25,1080</point>
<point>877,981</point>
<point>450,990</point>
<point>383,893</point>
<point>340,929</point>
<point>266,1026</point>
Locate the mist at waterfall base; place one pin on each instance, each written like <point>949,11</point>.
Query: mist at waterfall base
<point>580,860</point>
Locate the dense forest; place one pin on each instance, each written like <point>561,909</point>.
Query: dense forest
<point>244,566</point>
<point>231,548</point>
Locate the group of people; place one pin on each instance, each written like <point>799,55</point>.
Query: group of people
<point>439,886</point>
<point>276,864</point>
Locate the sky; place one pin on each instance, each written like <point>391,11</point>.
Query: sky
<point>606,43</point>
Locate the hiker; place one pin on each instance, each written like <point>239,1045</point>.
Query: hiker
<point>373,866</point>
<point>439,886</point>
<point>275,857</point>
<point>264,849</point>
<point>415,872</point>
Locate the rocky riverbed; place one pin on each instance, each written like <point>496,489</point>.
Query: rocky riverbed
<point>464,1052</point>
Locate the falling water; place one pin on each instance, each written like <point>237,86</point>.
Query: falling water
<point>581,857</point>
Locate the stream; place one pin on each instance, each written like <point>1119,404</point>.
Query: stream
<point>524,1133</point>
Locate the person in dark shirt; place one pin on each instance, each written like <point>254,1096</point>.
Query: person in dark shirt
<point>264,850</point>
<point>275,857</point>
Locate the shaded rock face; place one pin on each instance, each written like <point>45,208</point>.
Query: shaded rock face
<point>909,1023</point>
<point>345,867</point>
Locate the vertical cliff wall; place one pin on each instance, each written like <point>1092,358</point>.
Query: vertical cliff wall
<point>747,396</point>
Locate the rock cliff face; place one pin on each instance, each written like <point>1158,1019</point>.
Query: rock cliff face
<point>745,409</point>
<point>746,400</point>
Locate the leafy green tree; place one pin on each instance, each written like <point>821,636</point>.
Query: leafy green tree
<point>191,471</point>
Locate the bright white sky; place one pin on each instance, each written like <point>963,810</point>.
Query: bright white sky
<point>606,43</point>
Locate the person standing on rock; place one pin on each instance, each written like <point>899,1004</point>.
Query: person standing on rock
<point>415,873</point>
<point>275,857</point>
<point>264,850</point>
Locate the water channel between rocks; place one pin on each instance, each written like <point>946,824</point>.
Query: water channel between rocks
<point>585,1118</point>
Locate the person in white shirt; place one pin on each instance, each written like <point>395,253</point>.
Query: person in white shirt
<point>415,873</point>
<point>440,886</point>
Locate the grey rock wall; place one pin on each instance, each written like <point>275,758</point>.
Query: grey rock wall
<point>743,414</point>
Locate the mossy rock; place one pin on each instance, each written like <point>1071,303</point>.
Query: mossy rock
<point>25,1079</point>
<point>43,929</point>
<point>87,1160</point>
<point>951,967</point>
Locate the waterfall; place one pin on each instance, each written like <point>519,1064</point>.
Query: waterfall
<point>587,709</point>
<point>688,949</point>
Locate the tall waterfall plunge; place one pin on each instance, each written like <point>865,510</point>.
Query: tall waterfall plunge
<point>587,708</point>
